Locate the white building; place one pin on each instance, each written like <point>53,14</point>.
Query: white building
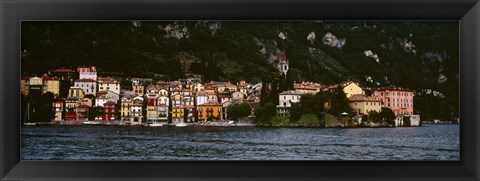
<point>100,101</point>
<point>163,103</point>
<point>255,89</point>
<point>201,98</point>
<point>108,83</point>
<point>198,87</point>
<point>414,120</point>
<point>136,114</point>
<point>238,96</point>
<point>212,97</point>
<point>285,100</point>
<point>89,86</point>
<point>87,73</point>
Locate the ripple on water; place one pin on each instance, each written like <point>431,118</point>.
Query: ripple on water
<point>429,142</point>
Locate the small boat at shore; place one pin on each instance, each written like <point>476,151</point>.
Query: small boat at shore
<point>181,125</point>
<point>91,123</point>
<point>155,124</point>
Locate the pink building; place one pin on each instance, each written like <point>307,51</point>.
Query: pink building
<point>399,100</point>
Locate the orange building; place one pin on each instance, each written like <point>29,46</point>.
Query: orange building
<point>210,111</point>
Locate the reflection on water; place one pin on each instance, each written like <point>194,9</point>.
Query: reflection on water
<point>429,142</point>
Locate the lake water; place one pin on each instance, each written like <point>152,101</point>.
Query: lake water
<point>428,142</point>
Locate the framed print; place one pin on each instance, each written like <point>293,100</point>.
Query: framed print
<point>240,90</point>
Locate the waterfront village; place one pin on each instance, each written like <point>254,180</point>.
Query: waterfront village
<point>78,97</point>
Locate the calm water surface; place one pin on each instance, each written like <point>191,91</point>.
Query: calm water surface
<point>429,142</point>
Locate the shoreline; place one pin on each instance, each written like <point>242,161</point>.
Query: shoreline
<point>212,124</point>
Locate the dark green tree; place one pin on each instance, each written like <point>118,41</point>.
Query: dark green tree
<point>289,80</point>
<point>263,94</point>
<point>232,111</point>
<point>340,102</point>
<point>126,84</point>
<point>185,115</point>
<point>374,116</point>
<point>244,109</point>
<point>263,114</point>
<point>93,112</point>
<point>296,112</point>
<point>387,115</point>
<point>406,121</point>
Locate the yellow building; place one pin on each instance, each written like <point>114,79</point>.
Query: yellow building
<point>210,111</point>
<point>76,92</point>
<point>222,87</point>
<point>177,114</point>
<point>363,104</point>
<point>35,81</point>
<point>125,108</point>
<point>138,89</point>
<point>52,85</point>
<point>351,88</point>
<point>24,85</point>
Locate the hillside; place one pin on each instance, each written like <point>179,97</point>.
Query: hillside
<point>415,55</point>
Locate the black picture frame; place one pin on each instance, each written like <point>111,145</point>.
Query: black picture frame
<point>13,12</point>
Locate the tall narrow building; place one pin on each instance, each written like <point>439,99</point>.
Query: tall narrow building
<point>283,64</point>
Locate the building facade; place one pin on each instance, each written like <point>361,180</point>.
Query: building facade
<point>109,111</point>
<point>136,108</point>
<point>89,86</point>
<point>283,64</point>
<point>362,104</point>
<point>211,111</point>
<point>108,83</point>
<point>125,108</point>
<point>285,100</point>
<point>87,73</point>
<point>399,100</point>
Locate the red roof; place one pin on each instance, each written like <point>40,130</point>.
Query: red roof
<point>110,103</point>
<point>284,60</point>
<point>63,70</point>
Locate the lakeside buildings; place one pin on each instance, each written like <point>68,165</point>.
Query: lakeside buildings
<point>188,100</point>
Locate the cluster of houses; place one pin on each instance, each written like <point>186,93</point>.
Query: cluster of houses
<point>361,100</point>
<point>182,101</point>
<point>190,100</point>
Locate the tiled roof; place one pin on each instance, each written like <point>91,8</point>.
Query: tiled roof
<point>210,103</point>
<point>361,97</point>
<point>107,80</point>
<point>63,70</point>
<point>152,87</point>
